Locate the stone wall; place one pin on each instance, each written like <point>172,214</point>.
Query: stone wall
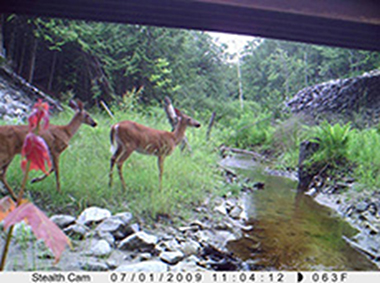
<point>18,96</point>
<point>343,97</point>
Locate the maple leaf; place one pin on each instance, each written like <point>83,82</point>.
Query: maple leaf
<point>6,206</point>
<point>42,227</point>
<point>40,112</point>
<point>36,151</point>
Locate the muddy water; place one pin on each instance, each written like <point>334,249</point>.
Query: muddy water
<point>291,231</point>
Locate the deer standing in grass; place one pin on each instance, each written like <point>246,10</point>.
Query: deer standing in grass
<point>57,138</point>
<point>128,136</point>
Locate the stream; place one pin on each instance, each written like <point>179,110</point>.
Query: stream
<point>291,231</point>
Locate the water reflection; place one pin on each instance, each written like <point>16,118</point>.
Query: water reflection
<point>293,232</point>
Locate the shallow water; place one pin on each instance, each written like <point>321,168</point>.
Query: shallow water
<point>291,231</point>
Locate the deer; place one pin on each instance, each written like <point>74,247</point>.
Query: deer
<point>57,138</point>
<point>129,136</point>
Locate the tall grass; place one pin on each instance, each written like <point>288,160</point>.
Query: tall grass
<point>364,152</point>
<point>84,171</point>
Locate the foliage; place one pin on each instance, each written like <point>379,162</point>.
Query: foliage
<point>249,129</point>
<point>364,153</point>
<point>333,143</point>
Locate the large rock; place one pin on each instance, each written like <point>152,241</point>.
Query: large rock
<point>306,173</point>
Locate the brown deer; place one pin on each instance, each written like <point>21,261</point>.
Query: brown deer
<point>57,138</point>
<point>128,136</point>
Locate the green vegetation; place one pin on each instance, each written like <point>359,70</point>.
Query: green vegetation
<point>84,169</point>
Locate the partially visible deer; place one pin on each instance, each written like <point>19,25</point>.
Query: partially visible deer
<point>57,138</point>
<point>128,136</point>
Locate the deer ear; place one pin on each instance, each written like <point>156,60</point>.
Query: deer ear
<point>73,105</point>
<point>177,112</point>
<point>80,105</point>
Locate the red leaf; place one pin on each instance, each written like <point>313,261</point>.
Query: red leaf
<point>35,150</point>
<point>6,206</point>
<point>42,227</point>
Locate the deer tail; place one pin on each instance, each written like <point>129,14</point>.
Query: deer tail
<point>113,134</point>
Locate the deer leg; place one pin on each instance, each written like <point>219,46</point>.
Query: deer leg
<point>4,180</point>
<point>56,170</point>
<point>120,163</point>
<point>161,170</point>
<point>114,158</point>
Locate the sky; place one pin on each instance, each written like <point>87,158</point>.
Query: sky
<point>235,42</point>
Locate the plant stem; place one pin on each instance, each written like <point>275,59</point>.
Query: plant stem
<point>6,247</point>
<point>10,231</point>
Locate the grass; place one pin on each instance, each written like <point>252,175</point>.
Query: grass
<point>84,171</point>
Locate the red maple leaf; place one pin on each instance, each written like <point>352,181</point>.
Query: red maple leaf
<point>40,113</point>
<point>42,227</point>
<point>36,151</point>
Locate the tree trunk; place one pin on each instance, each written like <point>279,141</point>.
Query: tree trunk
<point>211,123</point>
<point>2,50</point>
<point>52,71</point>
<point>33,60</point>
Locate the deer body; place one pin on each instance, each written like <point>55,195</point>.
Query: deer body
<point>128,136</point>
<point>57,138</point>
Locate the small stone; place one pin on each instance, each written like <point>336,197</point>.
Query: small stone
<point>172,257</point>
<point>107,236</point>
<point>93,215</point>
<point>190,247</point>
<point>125,217</point>
<point>101,249</point>
<point>76,231</point>
<point>236,212</point>
<point>138,241</point>
<point>132,229</point>
<point>221,209</point>
<point>93,266</point>
<point>113,226</point>
<point>63,220</point>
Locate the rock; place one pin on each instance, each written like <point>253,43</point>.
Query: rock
<point>221,209</point>
<point>125,217</point>
<point>107,237</point>
<point>131,229</point>
<point>93,266</point>
<point>101,249</point>
<point>172,257</point>
<point>189,247</point>
<point>341,97</point>
<point>63,220</point>
<point>139,241</point>
<point>113,226</point>
<point>76,231</point>
<point>236,212</point>
<point>190,264</point>
<point>93,215</point>
<point>306,173</point>
<point>145,266</point>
